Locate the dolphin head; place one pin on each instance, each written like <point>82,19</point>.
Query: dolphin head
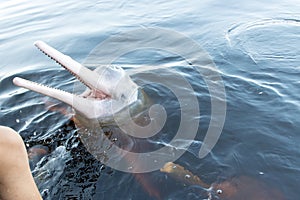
<point>109,88</point>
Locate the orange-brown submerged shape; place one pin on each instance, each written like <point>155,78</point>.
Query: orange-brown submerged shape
<point>178,172</point>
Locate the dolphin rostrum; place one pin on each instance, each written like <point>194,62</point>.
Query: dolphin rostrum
<point>109,88</point>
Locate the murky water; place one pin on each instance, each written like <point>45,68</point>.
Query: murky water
<point>254,44</point>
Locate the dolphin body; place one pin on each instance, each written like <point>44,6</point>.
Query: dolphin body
<point>111,98</point>
<point>109,89</point>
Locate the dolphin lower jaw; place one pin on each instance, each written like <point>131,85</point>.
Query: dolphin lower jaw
<point>102,109</point>
<point>61,95</point>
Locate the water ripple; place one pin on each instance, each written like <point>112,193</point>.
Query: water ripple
<point>274,39</point>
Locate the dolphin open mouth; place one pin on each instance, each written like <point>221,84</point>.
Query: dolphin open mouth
<point>105,85</point>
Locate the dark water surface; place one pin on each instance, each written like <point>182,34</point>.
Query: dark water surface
<point>254,44</point>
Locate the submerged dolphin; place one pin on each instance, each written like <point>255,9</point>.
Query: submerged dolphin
<point>109,89</point>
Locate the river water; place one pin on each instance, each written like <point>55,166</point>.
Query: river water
<point>255,48</point>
